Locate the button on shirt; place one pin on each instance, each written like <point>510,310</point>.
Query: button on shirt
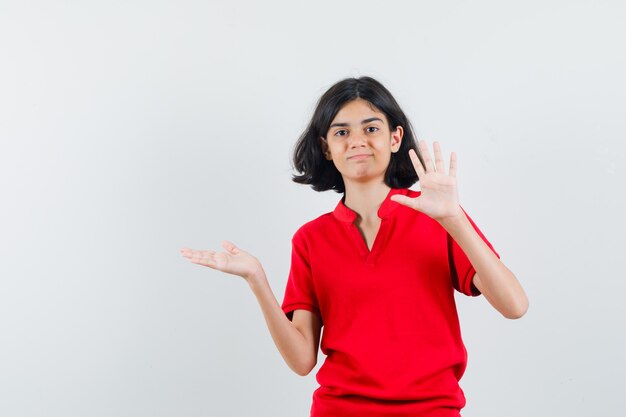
<point>391,333</point>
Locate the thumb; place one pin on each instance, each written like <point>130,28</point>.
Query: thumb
<point>230,247</point>
<point>404,200</point>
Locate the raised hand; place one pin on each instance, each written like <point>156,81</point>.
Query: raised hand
<point>439,198</point>
<point>234,261</point>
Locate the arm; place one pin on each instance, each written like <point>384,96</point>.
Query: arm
<point>296,341</point>
<point>494,280</point>
<point>439,200</point>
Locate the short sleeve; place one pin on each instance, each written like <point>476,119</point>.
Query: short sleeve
<point>461,270</point>
<point>300,290</point>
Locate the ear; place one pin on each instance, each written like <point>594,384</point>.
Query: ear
<point>396,139</point>
<point>324,145</point>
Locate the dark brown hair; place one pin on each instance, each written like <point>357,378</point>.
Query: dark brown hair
<point>308,156</point>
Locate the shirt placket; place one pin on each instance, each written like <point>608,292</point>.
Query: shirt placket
<point>369,257</point>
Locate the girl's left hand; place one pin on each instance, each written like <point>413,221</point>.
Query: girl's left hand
<point>439,198</point>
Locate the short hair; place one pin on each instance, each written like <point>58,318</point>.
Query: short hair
<point>308,155</point>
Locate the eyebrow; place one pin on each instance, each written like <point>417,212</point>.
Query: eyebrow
<point>371,119</point>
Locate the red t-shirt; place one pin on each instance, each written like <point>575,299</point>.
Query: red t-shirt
<point>391,333</point>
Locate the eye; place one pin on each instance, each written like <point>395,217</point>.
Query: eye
<point>373,127</point>
<point>337,132</point>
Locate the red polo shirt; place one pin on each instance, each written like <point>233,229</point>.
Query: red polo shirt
<point>391,333</point>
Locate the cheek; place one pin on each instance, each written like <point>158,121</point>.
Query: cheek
<point>383,147</point>
<point>384,155</point>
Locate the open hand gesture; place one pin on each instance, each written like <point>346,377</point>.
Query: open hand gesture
<point>439,197</point>
<point>234,261</point>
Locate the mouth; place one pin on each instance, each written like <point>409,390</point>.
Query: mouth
<point>360,156</point>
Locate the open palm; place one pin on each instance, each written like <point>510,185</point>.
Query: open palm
<point>234,261</point>
<point>439,198</point>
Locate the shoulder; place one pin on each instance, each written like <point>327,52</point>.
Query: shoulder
<point>317,226</point>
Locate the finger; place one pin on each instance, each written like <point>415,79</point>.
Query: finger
<point>453,164</point>
<point>404,200</point>
<point>230,247</point>
<point>198,254</point>
<point>428,163</point>
<point>417,164</point>
<point>187,252</point>
<point>210,262</point>
<point>206,258</point>
<point>440,166</point>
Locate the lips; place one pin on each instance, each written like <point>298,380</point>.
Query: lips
<point>360,156</point>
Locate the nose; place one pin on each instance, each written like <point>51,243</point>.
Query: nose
<point>357,139</point>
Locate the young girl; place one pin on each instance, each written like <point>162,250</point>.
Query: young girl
<point>378,273</point>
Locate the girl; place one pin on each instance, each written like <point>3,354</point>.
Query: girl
<point>378,273</point>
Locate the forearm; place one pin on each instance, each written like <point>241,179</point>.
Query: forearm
<point>495,281</point>
<point>291,344</point>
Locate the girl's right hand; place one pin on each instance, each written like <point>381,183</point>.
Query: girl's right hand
<point>234,261</point>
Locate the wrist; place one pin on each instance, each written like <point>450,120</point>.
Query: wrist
<point>256,277</point>
<point>454,223</point>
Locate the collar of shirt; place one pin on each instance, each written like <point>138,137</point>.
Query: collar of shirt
<point>346,214</point>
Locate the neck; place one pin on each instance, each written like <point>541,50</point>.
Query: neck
<point>365,199</point>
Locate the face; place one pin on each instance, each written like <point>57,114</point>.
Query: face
<point>360,142</point>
